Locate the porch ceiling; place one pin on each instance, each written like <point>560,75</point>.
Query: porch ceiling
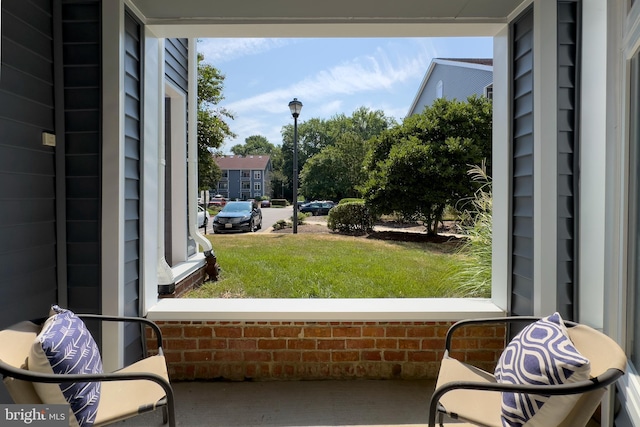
<point>206,18</point>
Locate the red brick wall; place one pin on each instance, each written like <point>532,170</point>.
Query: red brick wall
<point>319,350</point>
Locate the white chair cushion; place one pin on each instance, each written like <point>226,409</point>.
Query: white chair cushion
<point>65,346</point>
<point>541,354</point>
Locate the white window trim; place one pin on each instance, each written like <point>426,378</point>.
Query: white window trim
<point>178,176</point>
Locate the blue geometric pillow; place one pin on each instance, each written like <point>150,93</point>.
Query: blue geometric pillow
<point>541,354</point>
<point>65,346</point>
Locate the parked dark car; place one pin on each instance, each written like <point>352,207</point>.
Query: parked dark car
<point>265,204</point>
<point>317,208</point>
<point>238,216</point>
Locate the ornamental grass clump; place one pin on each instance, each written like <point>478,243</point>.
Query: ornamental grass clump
<point>473,274</point>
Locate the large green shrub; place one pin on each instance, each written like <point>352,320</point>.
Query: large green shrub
<point>352,217</point>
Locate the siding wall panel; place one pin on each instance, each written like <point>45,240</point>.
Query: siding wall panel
<point>132,184</point>
<point>521,301</point>
<point>28,244</point>
<point>568,106</point>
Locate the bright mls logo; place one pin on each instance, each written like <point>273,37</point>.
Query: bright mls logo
<point>34,415</point>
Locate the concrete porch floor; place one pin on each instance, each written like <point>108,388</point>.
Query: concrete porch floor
<point>297,403</point>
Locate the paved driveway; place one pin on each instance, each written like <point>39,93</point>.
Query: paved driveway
<point>272,215</point>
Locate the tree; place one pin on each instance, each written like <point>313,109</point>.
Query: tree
<point>313,136</point>
<point>336,172</point>
<point>279,181</point>
<point>254,145</point>
<point>322,178</point>
<point>420,166</point>
<point>212,127</point>
<point>347,134</point>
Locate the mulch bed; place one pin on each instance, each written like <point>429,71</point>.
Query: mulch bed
<point>405,236</point>
<point>398,236</point>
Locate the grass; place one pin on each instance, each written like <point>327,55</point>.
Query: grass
<point>276,265</point>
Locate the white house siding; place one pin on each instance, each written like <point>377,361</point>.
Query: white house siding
<point>458,82</point>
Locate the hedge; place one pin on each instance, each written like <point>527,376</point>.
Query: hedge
<point>350,217</point>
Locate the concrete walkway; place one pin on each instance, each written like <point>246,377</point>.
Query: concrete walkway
<point>298,403</point>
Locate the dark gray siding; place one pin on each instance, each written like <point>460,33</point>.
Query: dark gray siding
<point>83,146</point>
<point>28,247</point>
<point>132,174</point>
<point>176,66</point>
<point>522,151</point>
<point>568,103</point>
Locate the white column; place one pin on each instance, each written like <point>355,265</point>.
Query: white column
<point>113,183</point>
<point>545,154</point>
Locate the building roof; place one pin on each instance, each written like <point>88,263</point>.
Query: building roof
<point>255,162</point>
<point>479,61</point>
<point>476,63</point>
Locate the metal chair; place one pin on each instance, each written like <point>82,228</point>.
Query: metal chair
<point>467,393</point>
<point>138,388</point>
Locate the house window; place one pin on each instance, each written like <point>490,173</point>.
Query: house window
<point>246,174</point>
<point>488,91</point>
<point>257,186</point>
<point>225,174</point>
<point>223,185</point>
<point>257,175</point>
<point>246,186</point>
<point>439,89</point>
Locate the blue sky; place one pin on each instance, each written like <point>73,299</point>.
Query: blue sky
<point>328,75</point>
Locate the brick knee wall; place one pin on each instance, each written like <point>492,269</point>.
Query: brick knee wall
<point>319,350</point>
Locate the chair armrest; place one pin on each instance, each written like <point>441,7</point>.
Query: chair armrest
<point>8,370</point>
<point>32,376</point>
<point>491,320</point>
<point>141,320</point>
<point>607,378</point>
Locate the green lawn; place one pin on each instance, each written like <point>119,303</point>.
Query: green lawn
<point>272,265</point>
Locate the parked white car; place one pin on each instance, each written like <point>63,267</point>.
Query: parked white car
<point>203,218</point>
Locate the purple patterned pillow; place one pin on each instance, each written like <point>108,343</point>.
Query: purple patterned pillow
<point>65,346</point>
<point>541,354</point>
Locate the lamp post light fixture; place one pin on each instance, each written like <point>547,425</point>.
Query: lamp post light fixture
<point>295,106</point>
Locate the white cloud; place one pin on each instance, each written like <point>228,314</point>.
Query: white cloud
<point>219,51</point>
<point>329,108</point>
<point>361,81</point>
<point>363,74</point>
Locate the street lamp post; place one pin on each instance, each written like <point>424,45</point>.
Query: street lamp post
<point>295,106</point>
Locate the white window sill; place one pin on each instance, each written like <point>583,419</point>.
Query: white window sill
<point>310,310</point>
<point>182,270</point>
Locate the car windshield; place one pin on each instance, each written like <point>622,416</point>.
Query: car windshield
<point>237,207</point>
